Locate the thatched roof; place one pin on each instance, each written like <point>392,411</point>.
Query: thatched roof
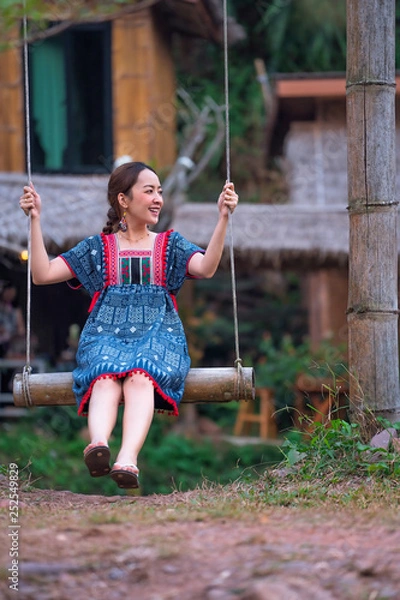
<point>73,208</point>
<point>271,235</point>
<point>311,231</point>
<point>274,235</point>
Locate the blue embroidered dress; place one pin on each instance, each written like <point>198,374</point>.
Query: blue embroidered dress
<point>133,324</point>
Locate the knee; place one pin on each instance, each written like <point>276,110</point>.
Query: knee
<point>138,381</point>
<point>107,384</point>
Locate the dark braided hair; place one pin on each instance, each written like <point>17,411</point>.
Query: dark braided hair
<point>121,181</point>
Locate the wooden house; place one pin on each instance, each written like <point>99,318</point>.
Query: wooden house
<point>102,90</point>
<point>313,109</point>
<point>309,234</point>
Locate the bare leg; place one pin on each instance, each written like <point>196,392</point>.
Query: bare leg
<point>138,415</point>
<point>103,409</point>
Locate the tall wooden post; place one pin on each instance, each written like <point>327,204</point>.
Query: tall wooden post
<point>373,258</point>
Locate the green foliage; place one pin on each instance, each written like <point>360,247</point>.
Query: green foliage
<point>182,463</point>
<point>53,458</point>
<point>48,459</point>
<point>291,37</point>
<point>337,451</point>
<point>246,118</point>
<point>37,10</point>
<point>295,36</point>
<point>262,307</point>
<point>330,466</point>
<point>280,364</point>
<point>42,13</point>
<point>59,420</point>
<point>306,35</point>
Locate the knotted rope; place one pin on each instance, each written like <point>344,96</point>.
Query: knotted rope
<point>238,361</point>
<point>27,368</point>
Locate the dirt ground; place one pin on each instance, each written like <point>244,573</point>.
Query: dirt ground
<point>73,546</point>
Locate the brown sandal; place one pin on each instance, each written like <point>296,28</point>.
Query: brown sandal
<point>125,476</point>
<point>97,459</point>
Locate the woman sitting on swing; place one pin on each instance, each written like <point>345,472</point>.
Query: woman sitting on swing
<point>132,349</point>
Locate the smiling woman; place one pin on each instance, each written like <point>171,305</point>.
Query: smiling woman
<point>133,348</point>
<point>138,215</point>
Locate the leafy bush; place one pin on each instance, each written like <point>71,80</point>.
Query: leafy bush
<point>338,451</point>
<point>279,366</point>
<point>53,458</point>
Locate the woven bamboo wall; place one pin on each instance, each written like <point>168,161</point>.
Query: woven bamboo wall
<point>12,145</point>
<point>143,80</point>
<point>144,117</point>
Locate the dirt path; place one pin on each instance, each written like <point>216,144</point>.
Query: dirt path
<point>72,546</point>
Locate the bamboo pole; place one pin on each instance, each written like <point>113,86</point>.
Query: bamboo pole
<point>373,254</point>
<point>202,385</point>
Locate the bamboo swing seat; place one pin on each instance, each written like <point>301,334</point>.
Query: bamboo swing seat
<point>202,385</point>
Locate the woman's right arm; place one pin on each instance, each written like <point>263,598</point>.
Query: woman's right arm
<point>43,269</point>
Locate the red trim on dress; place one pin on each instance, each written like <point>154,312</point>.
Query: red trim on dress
<point>165,241</point>
<point>68,265</point>
<point>73,287</point>
<point>188,275</point>
<point>164,248</point>
<point>157,260</point>
<point>105,246</point>
<point>83,407</point>
<point>95,297</point>
<point>106,239</point>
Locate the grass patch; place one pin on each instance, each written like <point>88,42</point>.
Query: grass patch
<point>332,467</point>
<point>337,451</point>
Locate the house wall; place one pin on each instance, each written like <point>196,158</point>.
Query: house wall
<point>143,90</point>
<point>12,130</point>
<point>316,154</point>
<point>143,81</point>
<point>144,116</point>
<point>326,299</point>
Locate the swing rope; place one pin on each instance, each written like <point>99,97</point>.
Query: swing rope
<point>238,360</point>
<point>27,368</point>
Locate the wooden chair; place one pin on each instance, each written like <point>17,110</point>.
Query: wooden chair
<point>247,415</point>
<point>319,400</point>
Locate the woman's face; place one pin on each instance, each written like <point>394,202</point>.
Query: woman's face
<point>146,199</point>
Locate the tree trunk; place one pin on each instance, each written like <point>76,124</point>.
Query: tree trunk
<point>373,255</point>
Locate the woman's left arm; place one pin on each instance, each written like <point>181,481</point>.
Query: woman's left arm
<point>205,265</point>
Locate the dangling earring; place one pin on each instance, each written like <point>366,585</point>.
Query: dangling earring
<point>123,226</point>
